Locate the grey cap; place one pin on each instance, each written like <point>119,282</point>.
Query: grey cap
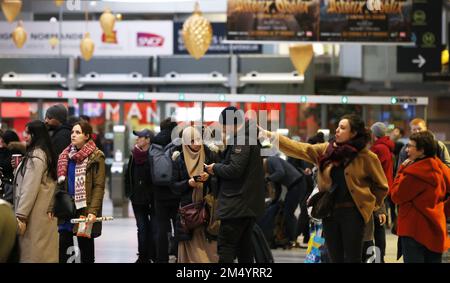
<point>379,129</point>
<point>57,112</point>
<point>144,133</point>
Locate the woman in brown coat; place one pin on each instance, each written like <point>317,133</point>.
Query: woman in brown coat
<point>81,171</point>
<point>354,175</point>
<point>34,186</point>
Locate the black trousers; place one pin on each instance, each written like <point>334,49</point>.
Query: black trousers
<point>344,232</point>
<point>147,229</point>
<point>393,209</point>
<point>67,248</point>
<point>296,192</point>
<point>165,211</point>
<point>379,235</point>
<point>380,238</point>
<point>303,220</point>
<point>415,252</point>
<point>235,240</point>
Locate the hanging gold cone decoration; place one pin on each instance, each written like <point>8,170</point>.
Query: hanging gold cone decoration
<point>54,41</point>
<point>197,34</point>
<point>301,56</point>
<point>107,21</point>
<point>11,8</point>
<point>59,2</point>
<point>19,35</point>
<point>87,47</point>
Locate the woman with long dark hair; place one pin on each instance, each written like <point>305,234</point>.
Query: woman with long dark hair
<point>354,176</point>
<point>34,185</point>
<point>81,172</point>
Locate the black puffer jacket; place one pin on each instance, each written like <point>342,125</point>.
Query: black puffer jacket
<point>60,137</point>
<point>181,188</point>
<point>5,163</point>
<point>241,180</point>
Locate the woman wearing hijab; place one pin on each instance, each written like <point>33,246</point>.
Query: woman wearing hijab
<point>81,172</point>
<point>354,176</point>
<point>194,246</point>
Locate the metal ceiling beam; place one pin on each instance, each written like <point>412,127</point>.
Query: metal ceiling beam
<point>130,7</point>
<point>204,97</point>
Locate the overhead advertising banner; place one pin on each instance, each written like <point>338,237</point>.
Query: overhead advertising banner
<point>319,20</point>
<point>131,38</point>
<point>273,20</point>
<point>216,47</point>
<point>351,21</point>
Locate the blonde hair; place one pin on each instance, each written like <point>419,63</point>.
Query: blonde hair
<point>417,121</point>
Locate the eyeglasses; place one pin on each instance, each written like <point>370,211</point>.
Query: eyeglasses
<point>410,145</point>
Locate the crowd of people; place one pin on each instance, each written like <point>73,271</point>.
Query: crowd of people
<point>200,201</point>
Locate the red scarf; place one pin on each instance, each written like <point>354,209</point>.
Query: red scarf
<point>77,156</point>
<point>139,155</point>
<point>81,159</point>
<point>341,154</point>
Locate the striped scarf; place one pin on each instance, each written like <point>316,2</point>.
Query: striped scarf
<point>81,159</point>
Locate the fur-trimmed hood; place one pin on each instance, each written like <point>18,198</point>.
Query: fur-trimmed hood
<point>17,147</point>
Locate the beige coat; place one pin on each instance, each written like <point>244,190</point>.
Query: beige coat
<point>364,176</point>
<point>33,193</point>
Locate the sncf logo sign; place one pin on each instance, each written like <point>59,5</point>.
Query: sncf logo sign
<point>149,40</point>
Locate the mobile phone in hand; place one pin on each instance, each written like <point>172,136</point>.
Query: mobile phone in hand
<point>197,178</point>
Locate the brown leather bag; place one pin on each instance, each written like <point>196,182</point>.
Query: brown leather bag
<point>213,224</point>
<point>193,215</point>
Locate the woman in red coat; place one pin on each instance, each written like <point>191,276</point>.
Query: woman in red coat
<point>420,190</point>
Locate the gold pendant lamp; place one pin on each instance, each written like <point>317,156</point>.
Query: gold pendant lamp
<point>54,41</point>
<point>19,35</point>
<point>197,33</point>
<point>87,47</point>
<point>107,22</point>
<point>11,8</point>
<point>59,3</point>
<point>301,56</point>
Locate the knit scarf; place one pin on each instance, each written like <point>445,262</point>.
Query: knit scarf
<point>81,159</point>
<point>139,155</point>
<point>341,154</point>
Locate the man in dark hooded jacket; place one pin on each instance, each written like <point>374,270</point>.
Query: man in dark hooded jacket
<point>241,187</point>
<point>59,130</point>
<point>166,202</point>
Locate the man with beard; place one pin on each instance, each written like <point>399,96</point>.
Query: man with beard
<point>59,130</point>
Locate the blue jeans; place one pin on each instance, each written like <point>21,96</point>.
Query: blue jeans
<point>146,230</point>
<point>415,252</point>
